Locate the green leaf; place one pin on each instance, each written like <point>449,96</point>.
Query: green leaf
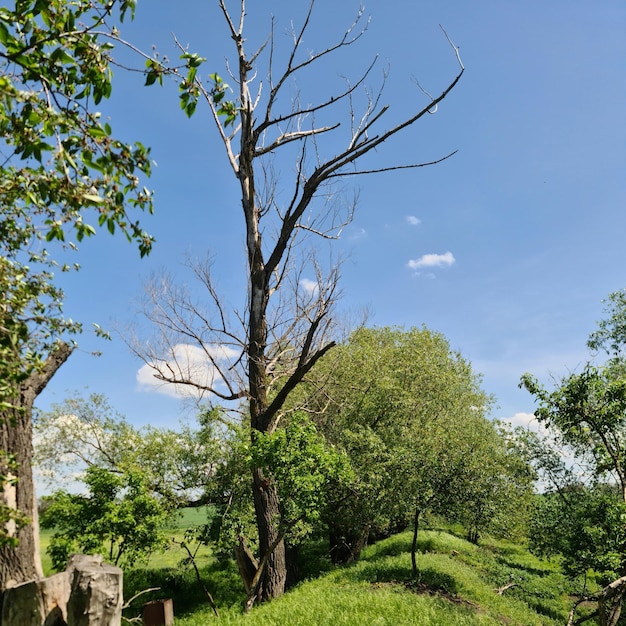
<point>5,36</point>
<point>97,132</point>
<point>151,78</point>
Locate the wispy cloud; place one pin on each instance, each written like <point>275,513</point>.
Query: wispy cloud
<point>411,220</point>
<point>432,260</point>
<point>310,286</point>
<point>355,233</point>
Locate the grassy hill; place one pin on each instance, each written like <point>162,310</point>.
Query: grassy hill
<point>459,583</point>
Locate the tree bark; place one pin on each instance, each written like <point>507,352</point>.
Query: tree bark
<point>266,505</point>
<point>21,563</point>
<point>416,527</point>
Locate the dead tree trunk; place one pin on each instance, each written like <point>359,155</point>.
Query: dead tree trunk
<point>266,503</point>
<point>285,329</point>
<point>22,562</point>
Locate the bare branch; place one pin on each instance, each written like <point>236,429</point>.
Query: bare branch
<point>393,168</point>
<point>455,48</point>
<point>287,324</point>
<point>295,136</point>
<point>269,121</point>
<point>292,68</point>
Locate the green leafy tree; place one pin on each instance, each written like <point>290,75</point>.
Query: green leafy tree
<point>60,165</point>
<point>178,465</point>
<point>120,518</point>
<point>409,413</point>
<point>585,415</point>
<point>304,468</point>
<point>584,525</point>
<point>496,496</point>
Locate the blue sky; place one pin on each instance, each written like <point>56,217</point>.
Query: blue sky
<point>507,248</point>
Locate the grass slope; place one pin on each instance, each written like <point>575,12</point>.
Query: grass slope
<point>457,584</point>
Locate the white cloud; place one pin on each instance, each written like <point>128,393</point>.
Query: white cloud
<point>432,260</point>
<point>411,220</point>
<point>526,420</point>
<point>310,286</point>
<point>187,362</point>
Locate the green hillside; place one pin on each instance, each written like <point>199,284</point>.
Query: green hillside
<point>458,583</point>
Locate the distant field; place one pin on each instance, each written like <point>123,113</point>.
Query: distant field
<point>187,518</point>
<point>191,517</point>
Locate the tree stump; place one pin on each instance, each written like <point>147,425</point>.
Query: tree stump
<point>37,602</point>
<point>95,593</point>
<point>87,593</point>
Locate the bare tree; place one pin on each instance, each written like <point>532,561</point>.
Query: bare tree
<point>261,354</point>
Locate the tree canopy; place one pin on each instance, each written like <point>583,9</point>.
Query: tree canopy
<point>411,416</point>
<point>585,418</point>
<point>63,175</point>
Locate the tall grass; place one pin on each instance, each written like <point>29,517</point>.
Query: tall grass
<point>458,583</point>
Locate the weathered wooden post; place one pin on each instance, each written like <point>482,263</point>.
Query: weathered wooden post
<point>158,613</point>
<point>36,602</point>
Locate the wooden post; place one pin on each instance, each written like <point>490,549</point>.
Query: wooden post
<point>158,613</point>
<point>36,602</point>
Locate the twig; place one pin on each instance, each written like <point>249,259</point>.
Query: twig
<point>185,547</point>
<point>455,48</point>
<point>501,590</point>
<point>127,605</point>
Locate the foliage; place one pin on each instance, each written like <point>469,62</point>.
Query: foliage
<point>60,164</point>
<point>585,415</point>
<point>587,412</point>
<point>610,336</point>
<point>120,518</point>
<point>409,414</point>
<point>297,459</point>
<point>87,432</point>
<point>62,175</point>
<point>496,496</point>
<point>229,492</point>
<point>585,526</point>
<point>304,468</point>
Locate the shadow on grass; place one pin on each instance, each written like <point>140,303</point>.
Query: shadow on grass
<point>181,584</point>
<point>506,560</point>
<point>388,570</point>
<point>543,608</point>
<point>392,546</point>
<point>437,581</point>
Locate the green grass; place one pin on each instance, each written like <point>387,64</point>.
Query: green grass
<point>457,585</point>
